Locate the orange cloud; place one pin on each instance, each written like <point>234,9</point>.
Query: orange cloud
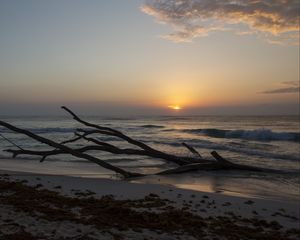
<point>195,18</point>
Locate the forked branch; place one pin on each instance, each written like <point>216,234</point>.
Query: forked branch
<point>69,150</point>
<point>186,164</point>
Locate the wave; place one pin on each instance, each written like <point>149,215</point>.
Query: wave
<point>44,130</point>
<point>258,134</point>
<point>151,126</point>
<point>263,152</point>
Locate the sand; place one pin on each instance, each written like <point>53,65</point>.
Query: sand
<point>236,217</point>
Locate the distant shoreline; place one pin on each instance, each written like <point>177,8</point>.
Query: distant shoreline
<point>125,117</point>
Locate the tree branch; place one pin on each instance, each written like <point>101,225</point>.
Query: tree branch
<point>69,150</point>
<point>186,164</point>
<point>192,150</point>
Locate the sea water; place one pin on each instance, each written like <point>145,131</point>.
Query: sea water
<point>263,141</point>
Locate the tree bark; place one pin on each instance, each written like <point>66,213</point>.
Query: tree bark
<point>69,150</point>
<point>186,164</point>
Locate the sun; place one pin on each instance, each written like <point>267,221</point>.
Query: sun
<point>175,107</point>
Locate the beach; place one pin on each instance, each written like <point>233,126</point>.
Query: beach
<point>35,206</point>
<point>149,120</point>
<point>68,197</point>
<point>261,141</point>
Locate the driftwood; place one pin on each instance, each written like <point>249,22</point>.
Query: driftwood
<point>220,164</point>
<point>69,150</point>
<point>185,164</point>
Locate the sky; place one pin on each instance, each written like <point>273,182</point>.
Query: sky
<point>112,57</point>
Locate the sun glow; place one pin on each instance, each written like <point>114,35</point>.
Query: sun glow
<point>175,107</point>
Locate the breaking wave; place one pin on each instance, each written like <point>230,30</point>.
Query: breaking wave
<point>259,134</point>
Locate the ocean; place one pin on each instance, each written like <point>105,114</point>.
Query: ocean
<point>263,141</point>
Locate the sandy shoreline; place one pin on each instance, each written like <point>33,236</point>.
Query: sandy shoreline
<point>202,204</point>
<point>221,182</point>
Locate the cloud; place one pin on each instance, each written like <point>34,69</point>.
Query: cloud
<point>276,20</point>
<point>291,83</point>
<point>284,90</point>
<point>292,87</point>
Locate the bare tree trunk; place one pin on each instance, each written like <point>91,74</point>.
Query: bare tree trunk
<point>69,150</point>
<point>186,164</point>
<point>112,132</point>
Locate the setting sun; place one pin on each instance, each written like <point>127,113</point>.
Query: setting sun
<point>175,107</point>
